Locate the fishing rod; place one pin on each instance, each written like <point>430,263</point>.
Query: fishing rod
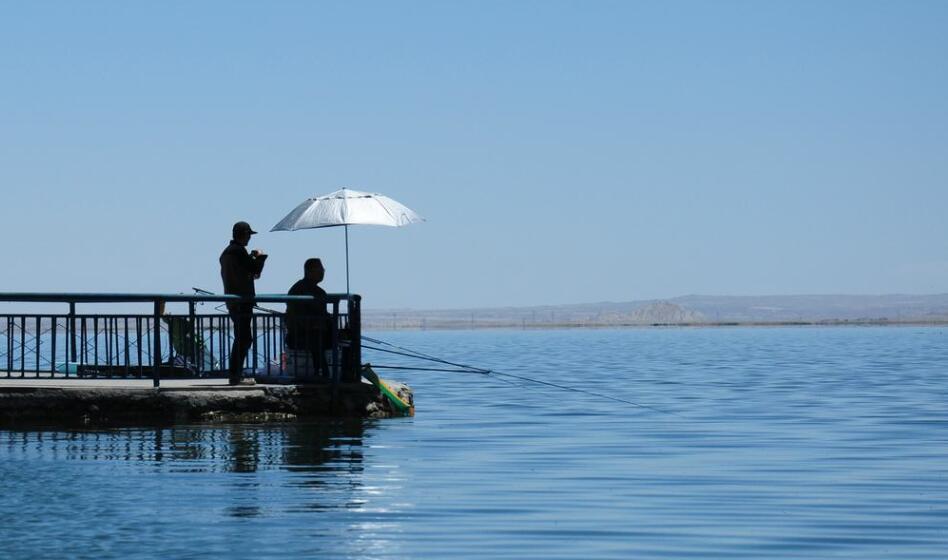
<point>416,354</point>
<point>457,368</point>
<point>221,307</point>
<point>462,368</point>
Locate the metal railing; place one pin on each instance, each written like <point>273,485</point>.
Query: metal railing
<point>162,344</point>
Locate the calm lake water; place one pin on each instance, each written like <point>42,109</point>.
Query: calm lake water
<point>771,443</point>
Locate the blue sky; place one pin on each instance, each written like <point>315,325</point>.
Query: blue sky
<point>561,151</point>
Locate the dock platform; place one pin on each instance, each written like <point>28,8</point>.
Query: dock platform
<point>71,401</point>
<point>145,363</point>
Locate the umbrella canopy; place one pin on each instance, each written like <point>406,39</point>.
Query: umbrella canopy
<point>347,207</point>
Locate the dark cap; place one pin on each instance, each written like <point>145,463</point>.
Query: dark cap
<point>241,228</point>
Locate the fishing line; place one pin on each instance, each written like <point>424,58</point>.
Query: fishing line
<point>223,306</point>
<point>584,391</point>
<point>499,374</point>
<point>417,354</point>
<point>461,368</point>
<point>457,369</point>
<point>412,368</point>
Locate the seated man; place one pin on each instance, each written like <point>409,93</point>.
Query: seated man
<point>308,324</point>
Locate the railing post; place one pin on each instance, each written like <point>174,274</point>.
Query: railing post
<point>197,362</point>
<point>253,339</point>
<point>72,335</point>
<point>156,358</point>
<point>335,372</point>
<point>355,338</point>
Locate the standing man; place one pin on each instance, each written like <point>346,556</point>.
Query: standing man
<point>238,271</point>
<point>309,324</point>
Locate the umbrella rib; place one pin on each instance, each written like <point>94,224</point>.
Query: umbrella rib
<point>389,212</point>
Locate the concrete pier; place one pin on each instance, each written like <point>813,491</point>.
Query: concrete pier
<point>71,401</point>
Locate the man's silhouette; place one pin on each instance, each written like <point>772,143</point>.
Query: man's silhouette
<point>308,323</point>
<point>238,271</point>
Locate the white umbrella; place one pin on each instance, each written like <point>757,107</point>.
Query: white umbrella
<point>345,207</point>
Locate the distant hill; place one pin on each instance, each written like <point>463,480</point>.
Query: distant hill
<point>664,312</point>
<point>684,310</point>
<point>819,307</point>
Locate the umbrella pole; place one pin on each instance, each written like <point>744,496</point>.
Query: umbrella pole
<point>347,259</point>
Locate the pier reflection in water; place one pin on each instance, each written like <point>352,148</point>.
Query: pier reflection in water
<point>143,489</point>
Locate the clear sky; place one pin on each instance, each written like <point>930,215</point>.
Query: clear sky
<point>561,151</point>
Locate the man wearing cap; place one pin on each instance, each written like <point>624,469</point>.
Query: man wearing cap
<point>238,271</point>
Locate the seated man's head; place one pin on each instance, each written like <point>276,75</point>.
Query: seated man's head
<point>313,270</point>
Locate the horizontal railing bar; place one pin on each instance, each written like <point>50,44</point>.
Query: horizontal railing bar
<point>88,315</point>
<point>67,297</point>
<point>130,315</point>
<point>44,315</point>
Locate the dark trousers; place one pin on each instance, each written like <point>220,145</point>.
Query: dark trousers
<point>320,367</point>
<point>243,337</point>
<point>317,342</point>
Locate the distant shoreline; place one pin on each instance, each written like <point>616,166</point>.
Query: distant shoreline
<point>683,311</point>
<point>718,324</point>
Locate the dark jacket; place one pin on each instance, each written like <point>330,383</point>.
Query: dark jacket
<point>238,270</point>
<point>308,323</point>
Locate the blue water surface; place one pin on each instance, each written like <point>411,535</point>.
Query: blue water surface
<point>749,443</point>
